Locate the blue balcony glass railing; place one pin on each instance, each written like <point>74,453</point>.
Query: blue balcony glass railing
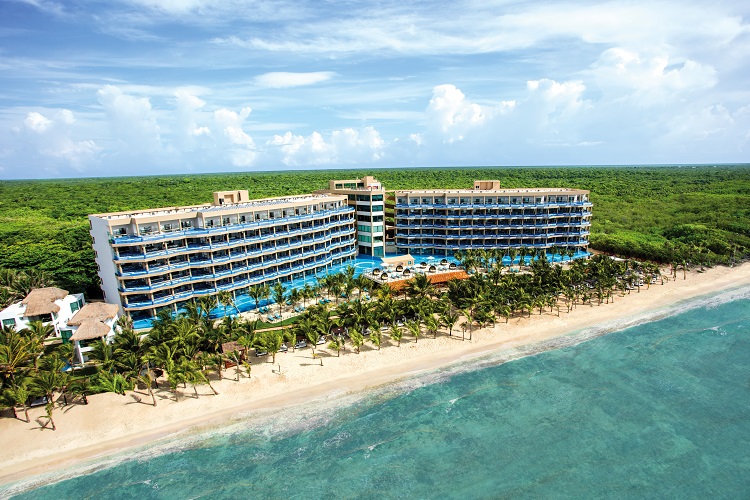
<point>193,232</point>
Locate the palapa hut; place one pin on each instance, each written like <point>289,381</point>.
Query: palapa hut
<point>229,347</point>
<point>92,322</point>
<point>51,305</point>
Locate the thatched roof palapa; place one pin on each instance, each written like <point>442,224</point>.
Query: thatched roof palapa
<point>98,311</point>
<point>41,301</point>
<point>91,329</point>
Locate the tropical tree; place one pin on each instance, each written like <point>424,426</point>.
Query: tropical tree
<point>415,329</point>
<point>376,337</point>
<point>432,324</point>
<point>356,338</point>
<point>258,292</point>
<point>17,395</point>
<point>395,333</point>
<point>46,383</point>
<point>336,343</point>
<point>225,298</point>
<point>38,329</point>
<point>449,320</point>
<point>278,291</point>
<point>270,341</point>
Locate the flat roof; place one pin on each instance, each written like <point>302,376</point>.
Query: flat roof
<point>491,191</point>
<point>231,207</point>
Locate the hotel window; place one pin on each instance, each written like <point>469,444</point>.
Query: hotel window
<point>377,197</point>
<point>364,238</point>
<point>9,323</point>
<point>74,307</point>
<point>377,208</point>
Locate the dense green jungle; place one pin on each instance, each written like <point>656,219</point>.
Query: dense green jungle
<point>667,214</point>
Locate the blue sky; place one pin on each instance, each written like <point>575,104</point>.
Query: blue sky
<point>120,87</point>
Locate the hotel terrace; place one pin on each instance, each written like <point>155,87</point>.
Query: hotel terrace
<point>439,222</point>
<point>167,257</point>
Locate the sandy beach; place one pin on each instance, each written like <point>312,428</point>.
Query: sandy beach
<point>111,423</point>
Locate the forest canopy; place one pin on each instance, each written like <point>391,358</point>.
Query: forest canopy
<point>657,213</point>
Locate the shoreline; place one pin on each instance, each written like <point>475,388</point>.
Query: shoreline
<point>112,424</point>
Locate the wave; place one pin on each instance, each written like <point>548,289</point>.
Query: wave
<point>273,424</point>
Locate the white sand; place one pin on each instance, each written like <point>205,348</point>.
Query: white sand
<point>111,423</point>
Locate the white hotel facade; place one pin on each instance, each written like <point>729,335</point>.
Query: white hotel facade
<point>164,258</point>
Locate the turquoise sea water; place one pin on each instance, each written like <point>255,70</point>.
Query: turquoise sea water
<point>658,410</point>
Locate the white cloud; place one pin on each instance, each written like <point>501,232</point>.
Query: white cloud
<point>649,78</point>
<point>345,147</point>
<point>285,79</point>
<point>131,120</point>
<point>470,27</point>
<point>36,122</point>
<point>50,138</point>
<point>453,115</point>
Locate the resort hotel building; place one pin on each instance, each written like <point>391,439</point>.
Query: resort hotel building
<point>166,257</point>
<point>439,222</point>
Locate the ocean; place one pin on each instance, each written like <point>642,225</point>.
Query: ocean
<point>656,410</point>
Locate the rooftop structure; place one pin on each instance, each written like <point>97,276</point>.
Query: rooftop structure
<point>93,321</point>
<point>53,306</point>
<point>367,197</point>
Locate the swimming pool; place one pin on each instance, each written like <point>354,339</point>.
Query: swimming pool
<point>243,302</point>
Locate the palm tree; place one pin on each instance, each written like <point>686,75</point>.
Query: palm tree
<point>278,290</point>
<point>225,298</point>
<point>336,343</point>
<point>207,304</point>
<point>17,395</point>
<point>469,320</point>
<point>294,297</point>
<point>420,287</point>
<point>46,383</point>
<point>270,341</point>
<point>335,285</point>
<point>356,338</point>
<point>376,337</point>
<point>16,352</point>
<point>102,351</point>
<point>258,292</point>
<point>503,310</point>
<point>449,320</point>
<point>432,325</point>
<point>38,329</point>
<point>396,334</point>
<point>512,253</point>
<point>522,253</point>
<point>415,329</point>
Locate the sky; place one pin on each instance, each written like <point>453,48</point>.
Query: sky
<point>142,87</point>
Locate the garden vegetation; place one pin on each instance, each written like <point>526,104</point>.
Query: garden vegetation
<point>664,214</point>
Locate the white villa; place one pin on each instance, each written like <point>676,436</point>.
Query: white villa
<point>53,306</point>
<point>93,321</point>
